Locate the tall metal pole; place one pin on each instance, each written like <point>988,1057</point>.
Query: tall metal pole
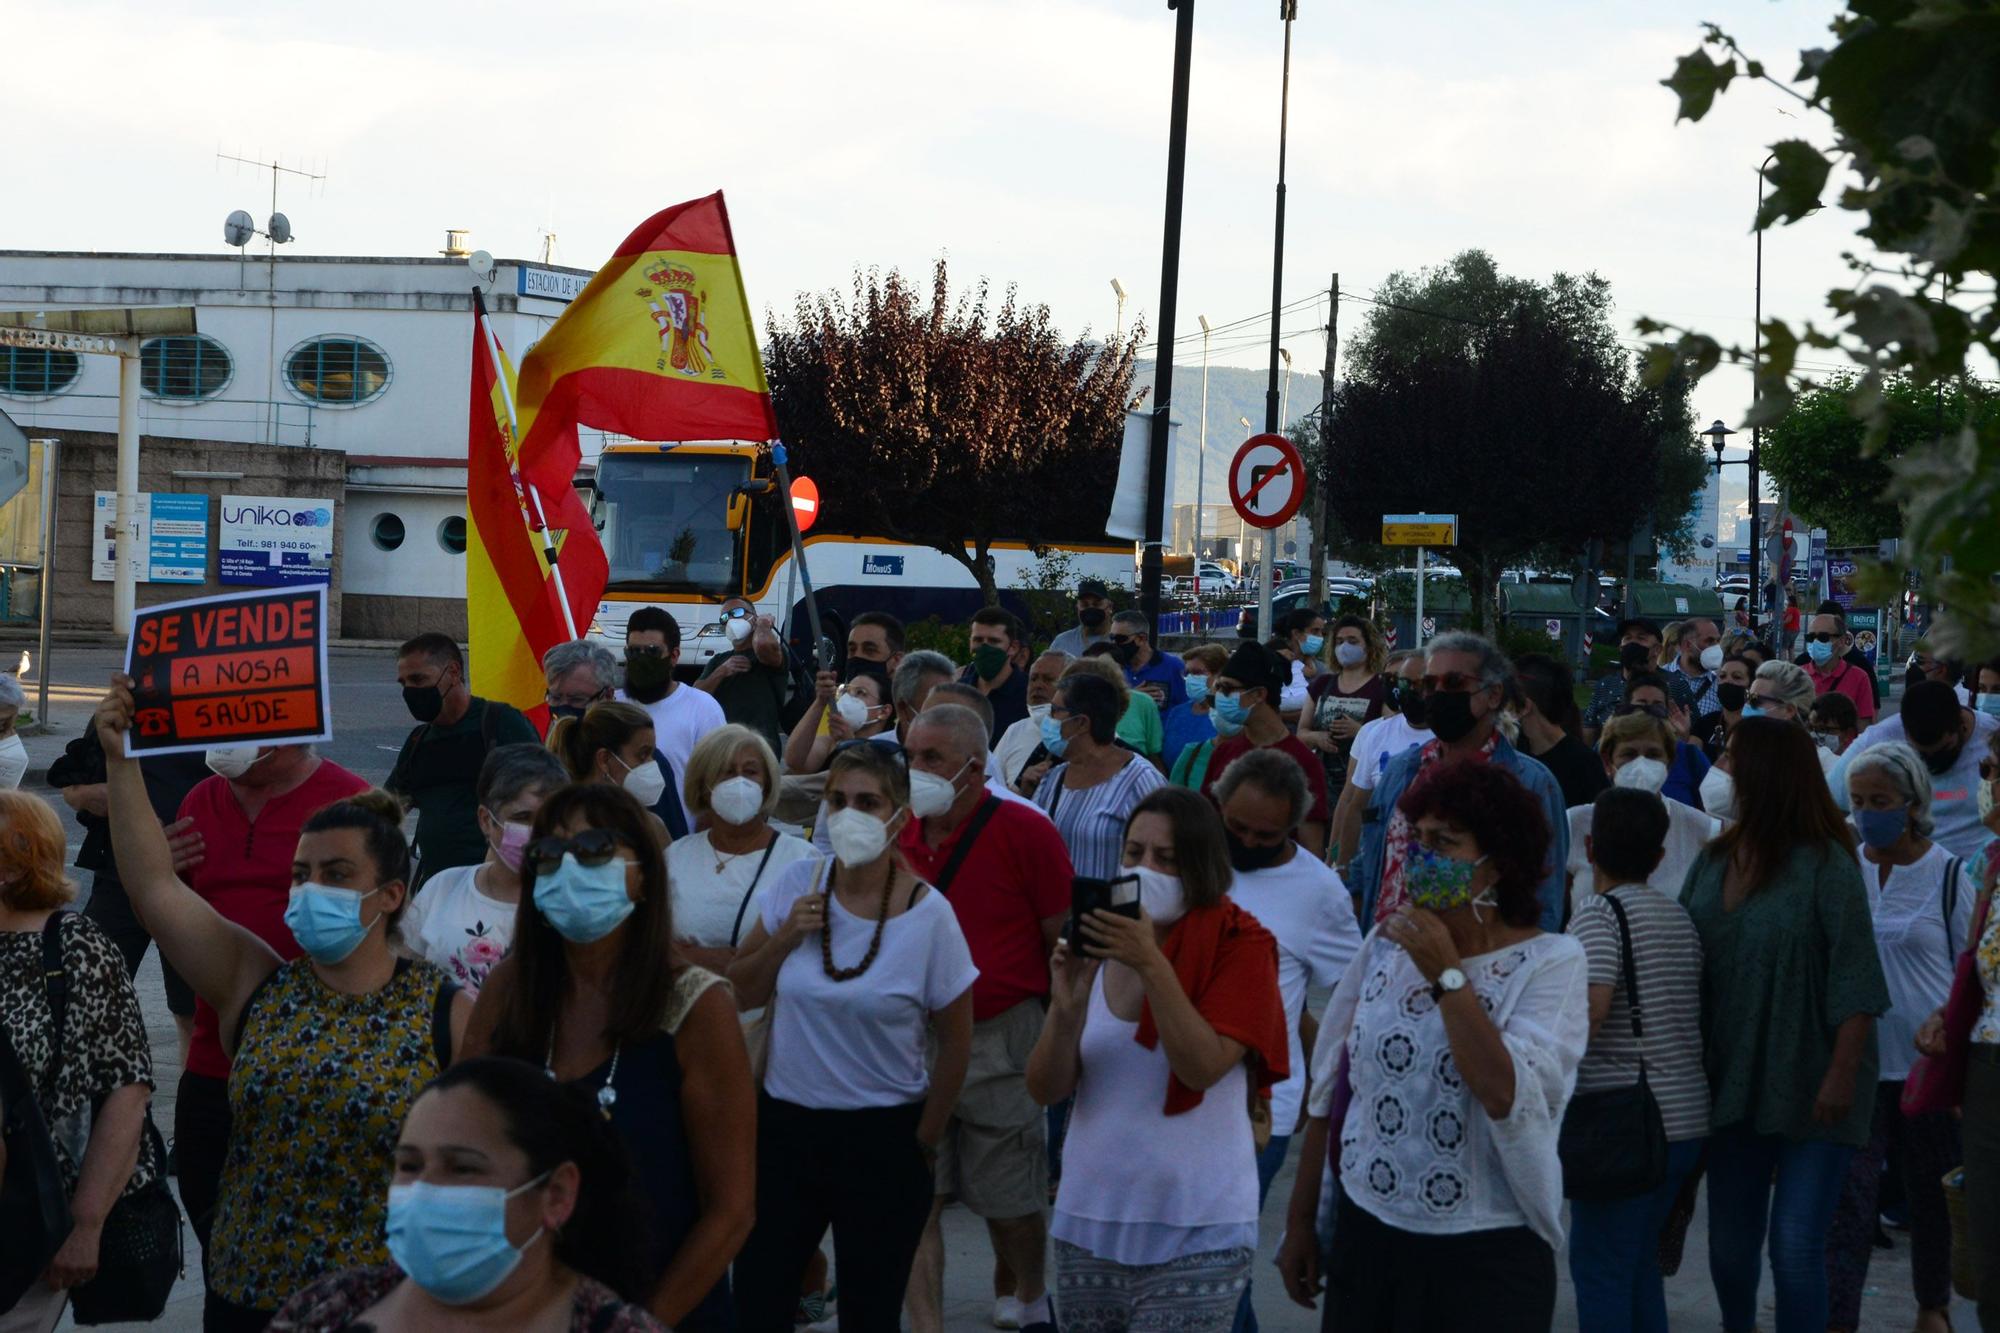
<point>1201,456</point>
<point>125,551</point>
<point>1170,271</point>
<point>49,494</point>
<point>1317,556</point>
<point>1273,423</point>
<point>1757,431</point>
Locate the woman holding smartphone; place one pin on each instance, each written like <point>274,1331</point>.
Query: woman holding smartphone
<point>1164,1026</point>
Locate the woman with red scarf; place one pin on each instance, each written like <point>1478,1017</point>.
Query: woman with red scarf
<point>1168,1029</point>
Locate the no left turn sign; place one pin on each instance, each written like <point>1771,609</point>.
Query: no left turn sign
<point>1267,481</point>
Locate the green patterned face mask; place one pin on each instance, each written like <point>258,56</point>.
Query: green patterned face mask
<point>1438,882</point>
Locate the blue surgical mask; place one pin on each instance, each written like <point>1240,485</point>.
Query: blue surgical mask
<point>452,1239</point>
<point>1988,703</point>
<point>584,903</point>
<point>1752,710</point>
<point>1230,713</point>
<point>1882,828</point>
<point>1820,653</point>
<point>1197,690</point>
<point>1314,644</point>
<point>326,921</point>
<point>1350,654</point>
<point>1053,739</point>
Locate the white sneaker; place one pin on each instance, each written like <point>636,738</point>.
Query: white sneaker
<point>1006,1312</point>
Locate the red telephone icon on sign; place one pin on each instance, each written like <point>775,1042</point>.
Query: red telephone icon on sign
<point>153,722</point>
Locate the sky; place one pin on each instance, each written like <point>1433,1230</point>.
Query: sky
<point>1022,140</point>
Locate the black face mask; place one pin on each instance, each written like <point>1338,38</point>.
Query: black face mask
<point>1731,696</point>
<point>1125,654</point>
<point>1451,715</point>
<point>424,702</point>
<point>1411,703</point>
<point>1242,856</point>
<point>1090,617</point>
<point>647,677</point>
<point>1635,656</point>
<point>1912,676</point>
<point>568,710</point>
<point>1941,762</point>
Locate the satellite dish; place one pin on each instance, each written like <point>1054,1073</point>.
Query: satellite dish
<point>481,263</point>
<point>238,228</point>
<point>279,229</point>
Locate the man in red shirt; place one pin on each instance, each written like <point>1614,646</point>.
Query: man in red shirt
<point>1244,707</point>
<point>1827,642</point>
<point>238,857</point>
<point>1006,873</point>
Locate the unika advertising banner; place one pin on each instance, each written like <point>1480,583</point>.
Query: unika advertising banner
<point>269,541</point>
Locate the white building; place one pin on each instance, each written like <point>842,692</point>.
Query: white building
<point>366,357</point>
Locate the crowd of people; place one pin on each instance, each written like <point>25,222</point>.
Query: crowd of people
<point>696,1006</point>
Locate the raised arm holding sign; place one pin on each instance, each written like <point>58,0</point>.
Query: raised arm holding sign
<point>244,668</point>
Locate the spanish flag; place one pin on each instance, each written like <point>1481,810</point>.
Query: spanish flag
<point>659,346</point>
<point>513,610</point>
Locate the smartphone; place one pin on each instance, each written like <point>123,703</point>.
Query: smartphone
<point>1089,894</point>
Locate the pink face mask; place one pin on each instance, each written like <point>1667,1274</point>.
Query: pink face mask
<point>513,844</point>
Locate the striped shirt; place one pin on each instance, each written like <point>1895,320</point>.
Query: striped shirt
<point>1092,819</point>
<point>1666,953</point>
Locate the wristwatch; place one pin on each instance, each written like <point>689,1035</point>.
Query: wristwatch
<point>1450,979</point>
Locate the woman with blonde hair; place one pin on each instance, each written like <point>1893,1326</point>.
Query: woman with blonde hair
<point>93,1054</point>
<point>719,872</point>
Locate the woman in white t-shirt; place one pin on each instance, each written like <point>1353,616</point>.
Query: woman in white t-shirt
<point>1401,727</point>
<point>1922,901</point>
<point>858,960</point>
<point>721,871</point>
<point>463,920</point>
<point>1638,749</point>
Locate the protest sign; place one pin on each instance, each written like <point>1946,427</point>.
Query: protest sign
<point>245,668</point>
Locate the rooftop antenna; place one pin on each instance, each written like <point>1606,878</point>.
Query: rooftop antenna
<point>548,245</point>
<point>238,230</point>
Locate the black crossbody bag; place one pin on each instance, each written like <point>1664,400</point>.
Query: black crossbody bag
<point>1613,1143</point>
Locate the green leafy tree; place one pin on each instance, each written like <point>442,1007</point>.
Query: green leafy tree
<point>1907,100</point>
<point>1512,404</point>
<point>945,421</point>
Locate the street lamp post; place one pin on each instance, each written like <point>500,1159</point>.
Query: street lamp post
<point>1718,438</point>
<point>1288,10</point>
<point>1118,324</point>
<point>1201,454</point>
<point>1776,609</point>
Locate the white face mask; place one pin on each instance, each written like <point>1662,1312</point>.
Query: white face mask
<point>852,710</point>
<point>646,783</point>
<point>931,794</point>
<point>736,800</point>
<point>1718,794</point>
<point>13,761</point>
<point>1036,712</point>
<point>737,628</point>
<point>1160,894</point>
<point>1711,657</point>
<point>858,838</point>
<point>232,761</point>
<point>1641,775</point>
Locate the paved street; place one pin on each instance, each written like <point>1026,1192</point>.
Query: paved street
<point>370,724</point>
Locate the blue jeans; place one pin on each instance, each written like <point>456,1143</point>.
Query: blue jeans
<point>1614,1252</point>
<point>1799,1210</point>
<point>1269,1162</point>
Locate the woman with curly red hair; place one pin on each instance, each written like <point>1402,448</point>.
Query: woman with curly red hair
<point>1457,1028</point>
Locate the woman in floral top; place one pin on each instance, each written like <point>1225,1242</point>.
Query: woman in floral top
<point>554,1248</point>
<point>464,919</point>
<point>99,1058</point>
<point>329,1050</point>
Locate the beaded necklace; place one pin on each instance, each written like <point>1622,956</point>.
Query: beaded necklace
<point>874,945</point>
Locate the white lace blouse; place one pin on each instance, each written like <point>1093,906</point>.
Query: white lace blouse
<point>1417,1150</point>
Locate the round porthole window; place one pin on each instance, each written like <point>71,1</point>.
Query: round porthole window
<point>183,368</point>
<point>451,534</point>
<point>386,532</point>
<point>337,372</point>
<point>37,372</point>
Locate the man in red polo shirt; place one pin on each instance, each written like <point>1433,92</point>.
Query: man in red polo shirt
<point>1006,873</point>
<point>238,857</point>
<point>1827,643</point>
<point>1243,702</point>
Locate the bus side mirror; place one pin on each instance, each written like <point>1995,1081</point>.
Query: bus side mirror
<point>739,510</point>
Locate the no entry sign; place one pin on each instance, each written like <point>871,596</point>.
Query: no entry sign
<point>805,502</point>
<point>245,668</point>
<point>1267,481</point>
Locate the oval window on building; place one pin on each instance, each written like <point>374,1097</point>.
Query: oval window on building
<point>386,532</point>
<point>184,368</point>
<point>340,372</point>
<point>451,534</point>
<point>37,372</point>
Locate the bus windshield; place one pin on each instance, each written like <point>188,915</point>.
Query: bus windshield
<point>664,519</point>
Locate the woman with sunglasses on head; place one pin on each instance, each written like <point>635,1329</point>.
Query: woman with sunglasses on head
<point>859,709</point>
<point>858,959</point>
<point>1791,987</point>
<point>328,1050</point>
<point>463,920</point>
<point>1648,693</point>
<point>612,743</point>
<point>509,1207</point>
<point>594,994</point>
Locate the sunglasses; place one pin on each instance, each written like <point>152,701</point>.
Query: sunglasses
<point>1451,682</point>
<point>592,847</point>
<point>1650,710</point>
<point>882,743</point>
<point>1821,636</point>
<point>644,650</point>
<point>1121,639</point>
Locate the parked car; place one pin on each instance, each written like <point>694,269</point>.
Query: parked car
<point>1281,606</point>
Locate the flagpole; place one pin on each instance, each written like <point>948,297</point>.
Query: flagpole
<point>513,463</point>
<point>779,460</point>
